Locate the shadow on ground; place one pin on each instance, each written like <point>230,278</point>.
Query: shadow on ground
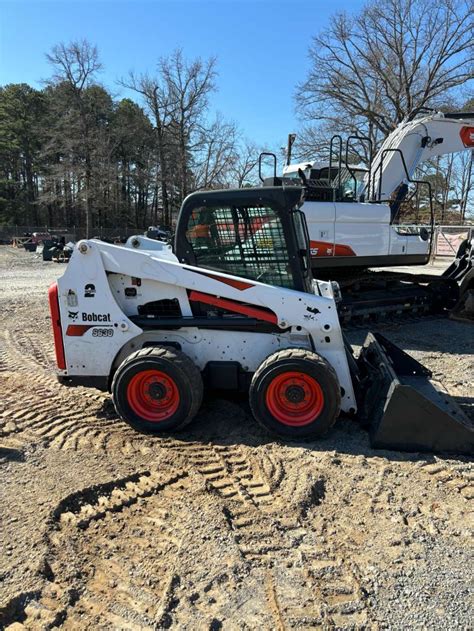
<point>229,421</point>
<point>436,334</point>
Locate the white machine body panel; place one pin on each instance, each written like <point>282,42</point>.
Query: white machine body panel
<point>321,221</point>
<point>363,227</point>
<point>348,229</point>
<point>97,299</point>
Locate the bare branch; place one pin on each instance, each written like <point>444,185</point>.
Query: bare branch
<point>395,57</point>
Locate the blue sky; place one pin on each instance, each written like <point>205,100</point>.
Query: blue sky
<point>261,46</point>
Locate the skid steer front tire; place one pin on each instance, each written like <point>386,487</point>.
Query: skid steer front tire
<point>157,389</point>
<point>295,393</point>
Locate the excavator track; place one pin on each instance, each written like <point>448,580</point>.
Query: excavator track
<point>388,296</point>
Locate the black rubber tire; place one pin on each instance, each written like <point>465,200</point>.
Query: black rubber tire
<point>180,369</point>
<point>300,360</point>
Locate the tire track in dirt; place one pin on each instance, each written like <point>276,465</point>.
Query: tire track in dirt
<point>267,505</point>
<point>112,546</point>
<point>338,552</point>
<point>99,563</point>
<point>36,349</point>
<point>334,555</point>
<point>61,417</point>
<point>248,501</point>
<point>323,592</point>
<point>315,585</point>
<point>270,535</point>
<point>457,477</point>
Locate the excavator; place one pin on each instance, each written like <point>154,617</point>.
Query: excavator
<point>356,217</point>
<point>235,307</point>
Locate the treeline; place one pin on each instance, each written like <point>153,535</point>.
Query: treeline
<point>72,154</point>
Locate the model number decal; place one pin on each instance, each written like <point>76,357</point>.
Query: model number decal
<point>102,332</point>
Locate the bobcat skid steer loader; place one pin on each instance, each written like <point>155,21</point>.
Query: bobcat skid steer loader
<point>243,314</point>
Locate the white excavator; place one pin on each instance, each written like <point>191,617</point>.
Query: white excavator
<point>353,213</point>
<point>238,309</point>
<point>356,217</point>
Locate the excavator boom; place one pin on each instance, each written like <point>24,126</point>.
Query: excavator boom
<point>412,143</point>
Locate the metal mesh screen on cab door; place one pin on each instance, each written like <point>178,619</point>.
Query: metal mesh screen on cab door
<point>243,241</point>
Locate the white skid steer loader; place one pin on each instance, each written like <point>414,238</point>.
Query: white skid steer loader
<point>245,315</point>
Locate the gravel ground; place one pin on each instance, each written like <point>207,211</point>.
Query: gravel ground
<point>220,526</point>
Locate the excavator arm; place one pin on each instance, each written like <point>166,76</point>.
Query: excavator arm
<point>412,143</point>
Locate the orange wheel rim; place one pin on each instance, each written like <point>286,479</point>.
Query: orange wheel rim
<point>153,395</point>
<point>294,398</point>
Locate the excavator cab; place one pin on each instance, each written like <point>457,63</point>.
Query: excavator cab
<point>256,233</point>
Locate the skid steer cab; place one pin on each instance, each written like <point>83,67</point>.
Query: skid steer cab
<point>234,307</point>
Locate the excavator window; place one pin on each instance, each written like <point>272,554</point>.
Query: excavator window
<point>244,241</point>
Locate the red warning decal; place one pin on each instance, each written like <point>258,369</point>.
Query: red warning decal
<point>325,248</point>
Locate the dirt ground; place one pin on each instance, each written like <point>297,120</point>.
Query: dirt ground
<point>222,526</point>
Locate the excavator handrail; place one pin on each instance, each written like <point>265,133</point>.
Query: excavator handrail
<point>266,153</point>
<point>371,150</point>
<point>407,179</point>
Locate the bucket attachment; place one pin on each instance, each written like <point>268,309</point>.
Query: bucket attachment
<point>404,408</point>
<point>462,271</point>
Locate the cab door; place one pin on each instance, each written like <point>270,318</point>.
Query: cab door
<point>398,241</point>
<point>320,218</point>
<point>361,229</point>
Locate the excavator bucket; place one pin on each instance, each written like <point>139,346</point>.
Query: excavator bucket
<point>404,408</point>
<point>464,309</point>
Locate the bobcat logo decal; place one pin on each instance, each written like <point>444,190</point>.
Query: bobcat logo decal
<point>73,315</point>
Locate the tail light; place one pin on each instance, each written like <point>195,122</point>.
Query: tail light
<point>467,136</point>
<point>56,322</point>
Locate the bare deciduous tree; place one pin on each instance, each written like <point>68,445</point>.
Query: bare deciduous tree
<point>371,71</point>
<point>188,85</point>
<point>77,63</point>
<point>214,154</point>
<point>160,106</point>
<point>177,99</point>
<point>244,168</point>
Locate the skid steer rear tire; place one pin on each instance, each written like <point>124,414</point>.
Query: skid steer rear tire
<point>295,393</point>
<point>157,389</point>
